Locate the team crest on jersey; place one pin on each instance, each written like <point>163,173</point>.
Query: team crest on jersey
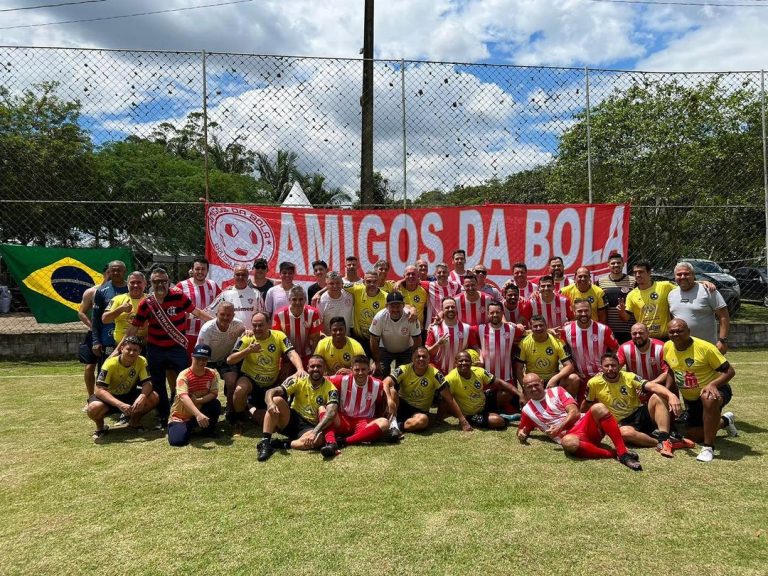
<point>347,357</point>
<point>171,311</point>
<point>417,298</point>
<point>550,351</point>
<point>271,348</point>
<point>478,385</point>
<point>131,373</point>
<point>424,382</point>
<point>654,296</point>
<point>623,390</point>
<point>376,305</point>
<point>404,331</point>
<point>250,300</point>
<point>320,400</point>
<point>591,299</point>
<point>689,362</point>
<point>624,290</point>
<point>595,338</point>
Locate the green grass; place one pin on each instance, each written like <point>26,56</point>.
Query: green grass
<point>752,314</point>
<point>443,503</point>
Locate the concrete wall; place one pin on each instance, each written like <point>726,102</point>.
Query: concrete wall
<point>64,345</point>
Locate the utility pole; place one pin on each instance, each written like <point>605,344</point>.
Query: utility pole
<point>366,101</point>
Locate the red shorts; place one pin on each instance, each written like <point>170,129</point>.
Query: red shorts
<point>587,429</point>
<point>349,425</point>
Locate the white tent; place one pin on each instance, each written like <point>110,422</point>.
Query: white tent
<point>296,197</point>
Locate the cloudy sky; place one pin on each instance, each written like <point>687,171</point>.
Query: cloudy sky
<point>465,124</point>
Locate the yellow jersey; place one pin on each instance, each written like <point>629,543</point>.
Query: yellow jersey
<point>470,392</point>
<point>543,358</point>
<point>418,391</point>
<point>336,358</point>
<point>264,366</point>
<point>306,399</point>
<point>694,367</point>
<point>125,319</point>
<point>650,306</point>
<point>595,295</point>
<point>365,308</point>
<point>621,397</point>
<point>119,379</point>
<point>416,298</point>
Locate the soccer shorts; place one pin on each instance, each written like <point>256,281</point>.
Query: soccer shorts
<point>129,398</point>
<point>349,425</point>
<point>640,420</point>
<point>85,350</point>
<point>297,426</point>
<point>406,411</point>
<point>587,429</point>
<point>696,407</point>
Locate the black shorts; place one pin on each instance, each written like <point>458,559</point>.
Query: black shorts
<point>640,420</point>
<point>480,420</point>
<point>696,407</point>
<point>85,351</point>
<point>223,368</point>
<point>128,398</point>
<point>297,426</point>
<point>406,411</point>
<point>256,398</point>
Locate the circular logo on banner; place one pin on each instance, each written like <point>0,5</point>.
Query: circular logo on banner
<point>240,236</point>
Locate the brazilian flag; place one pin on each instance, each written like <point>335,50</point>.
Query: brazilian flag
<point>53,280</point>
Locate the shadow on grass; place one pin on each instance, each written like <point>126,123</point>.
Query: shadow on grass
<point>750,428</point>
<point>127,435</point>
<point>731,449</point>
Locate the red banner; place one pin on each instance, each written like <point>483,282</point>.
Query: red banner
<point>494,235</point>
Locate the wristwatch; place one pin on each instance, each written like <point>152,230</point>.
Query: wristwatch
<point>723,340</point>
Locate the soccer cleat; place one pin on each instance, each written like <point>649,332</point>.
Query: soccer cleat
<point>511,418</point>
<point>278,444</point>
<point>707,454</point>
<point>634,455</point>
<point>394,435</point>
<point>681,443</point>
<point>98,434</point>
<point>631,462</point>
<point>730,427</point>
<point>265,450</point>
<point>122,420</point>
<point>665,449</point>
<point>330,450</point>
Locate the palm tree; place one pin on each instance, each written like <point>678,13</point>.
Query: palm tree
<point>278,177</point>
<point>317,194</point>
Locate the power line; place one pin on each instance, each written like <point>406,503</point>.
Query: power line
<point>51,5</point>
<point>670,3</point>
<point>126,15</point>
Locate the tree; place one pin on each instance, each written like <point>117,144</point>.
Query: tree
<point>280,176</point>
<point>318,195</point>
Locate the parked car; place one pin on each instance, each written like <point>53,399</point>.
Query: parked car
<point>753,283</point>
<point>726,284</point>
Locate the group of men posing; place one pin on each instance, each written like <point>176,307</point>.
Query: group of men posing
<point>355,359</point>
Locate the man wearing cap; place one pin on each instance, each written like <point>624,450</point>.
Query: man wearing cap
<point>393,335</point>
<point>277,296</point>
<point>260,280</point>
<point>196,403</point>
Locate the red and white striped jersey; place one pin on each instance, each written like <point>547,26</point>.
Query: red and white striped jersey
<point>460,337</point>
<point>556,313</point>
<point>496,348</point>
<point>547,412</point>
<point>562,284</point>
<point>588,345</point>
<point>527,292</point>
<point>435,294</point>
<point>358,401</point>
<point>456,277</point>
<point>520,315</point>
<point>472,313</point>
<point>202,296</point>
<point>649,364</point>
<point>298,328</point>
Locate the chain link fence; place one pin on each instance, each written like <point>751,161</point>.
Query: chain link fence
<point>119,148</point>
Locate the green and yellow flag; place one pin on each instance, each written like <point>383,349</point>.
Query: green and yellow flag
<point>52,280</point>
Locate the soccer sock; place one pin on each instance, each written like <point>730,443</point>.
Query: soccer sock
<point>370,433</point>
<point>587,450</point>
<point>330,436</point>
<point>611,428</point>
<point>266,435</point>
<point>661,436</point>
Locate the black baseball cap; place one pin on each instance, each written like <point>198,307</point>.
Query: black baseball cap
<point>202,351</point>
<point>261,263</point>
<point>395,297</point>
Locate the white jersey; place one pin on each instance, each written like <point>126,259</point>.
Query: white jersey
<point>221,343</point>
<point>277,297</point>
<point>396,335</point>
<point>247,302</point>
<point>343,306</point>
<point>201,295</point>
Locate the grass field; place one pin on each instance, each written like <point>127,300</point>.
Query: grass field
<point>443,503</point>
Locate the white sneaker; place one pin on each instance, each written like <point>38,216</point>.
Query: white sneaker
<point>706,455</point>
<point>730,428</point>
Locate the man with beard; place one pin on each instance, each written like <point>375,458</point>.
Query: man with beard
<point>447,338</point>
<point>583,289</point>
<point>438,289</point>
<point>202,292</point>
<point>471,305</point>
<point>516,309</point>
<point>555,309</point>
<point>246,299</point>
<point>616,286</point>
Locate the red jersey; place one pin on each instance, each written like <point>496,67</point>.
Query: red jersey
<point>435,295</point>
<point>299,329</point>
<point>556,313</point>
<point>358,401</point>
<point>472,313</point>
<point>201,296</point>
<point>496,348</point>
<point>520,315</point>
<point>547,412</point>
<point>588,345</point>
<point>649,364</point>
<point>176,306</point>
<point>460,337</point>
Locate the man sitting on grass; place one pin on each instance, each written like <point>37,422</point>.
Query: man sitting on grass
<point>123,385</point>
<point>196,403</point>
<point>554,412</point>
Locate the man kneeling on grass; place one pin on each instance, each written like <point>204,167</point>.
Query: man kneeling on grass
<point>196,403</point>
<point>554,412</point>
<point>302,421</point>
<point>123,385</point>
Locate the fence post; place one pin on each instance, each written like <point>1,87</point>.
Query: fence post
<point>589,138</point>
<point>765,162</point>
<point>405,147</point>
<point>205,130</point>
